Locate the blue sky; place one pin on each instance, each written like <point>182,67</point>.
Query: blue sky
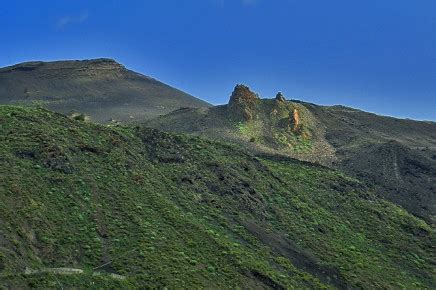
<point>376,55</point>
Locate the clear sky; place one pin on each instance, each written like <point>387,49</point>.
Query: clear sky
<point>376,55</point>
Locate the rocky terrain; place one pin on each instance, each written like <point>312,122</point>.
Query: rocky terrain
<point>273,126</point>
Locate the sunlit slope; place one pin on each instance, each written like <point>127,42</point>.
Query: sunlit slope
<point>178,211</point>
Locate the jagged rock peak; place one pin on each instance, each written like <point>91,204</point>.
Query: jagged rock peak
<point>280,97</point>
<point>242,102</point>
<point>242,94</point>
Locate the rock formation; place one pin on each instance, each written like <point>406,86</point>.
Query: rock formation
<point>242,103</point>
<point>296,120</point>
<point>280,97</point>
<point>293,121</point>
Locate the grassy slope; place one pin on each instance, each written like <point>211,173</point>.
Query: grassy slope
<point>396,157</point>
<point>172,210</point>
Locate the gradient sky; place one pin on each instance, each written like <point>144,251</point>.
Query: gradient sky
<point>375,55</point>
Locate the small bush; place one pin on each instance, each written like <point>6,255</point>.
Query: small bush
<point>79,117</point>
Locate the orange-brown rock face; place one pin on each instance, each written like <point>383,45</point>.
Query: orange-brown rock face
<point>293,120</point>
<point>242,103</point>
<point>296,119</point>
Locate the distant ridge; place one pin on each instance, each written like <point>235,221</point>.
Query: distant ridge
<point>101,88</point>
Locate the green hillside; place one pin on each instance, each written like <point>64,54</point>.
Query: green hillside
<point>395,157</point>
<point>167,210</point>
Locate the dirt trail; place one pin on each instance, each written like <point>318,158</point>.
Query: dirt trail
<point>70,271</point>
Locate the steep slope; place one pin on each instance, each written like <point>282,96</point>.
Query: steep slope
<point>339,137</point>
<point>100,88</point>
<point>396,169</point>
<point>179,211</point>
<point>397,156</point>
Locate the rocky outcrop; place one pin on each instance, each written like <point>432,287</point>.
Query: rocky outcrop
<point>296,120</point>
<point>242,104</point>
<point>293,121</point>
<point>280,97</point>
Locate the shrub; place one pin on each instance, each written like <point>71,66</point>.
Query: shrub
<point>79,117</point>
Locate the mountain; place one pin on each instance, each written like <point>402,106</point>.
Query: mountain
<point>397,158</point>
<point>135,207</point>
<point>100,88</point>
